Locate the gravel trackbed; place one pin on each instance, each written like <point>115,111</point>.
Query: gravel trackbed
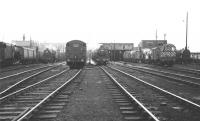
<point>92,101</point>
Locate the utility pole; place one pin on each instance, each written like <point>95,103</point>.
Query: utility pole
<point>165,36</point>
<point>24,37</point>
<point>186,31</point>
<point>114,51</point>
<point>156,38</point>
<point>156,35</point>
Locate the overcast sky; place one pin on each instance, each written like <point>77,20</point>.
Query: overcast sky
<point>99,21</point>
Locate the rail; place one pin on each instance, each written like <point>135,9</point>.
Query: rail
<point>131,96</point>
<point>47,98</point>
<point>30,86</point>
<point>23,80</point>
<point>161,75</point>
<point>196,106</point>
<point>23,72</point>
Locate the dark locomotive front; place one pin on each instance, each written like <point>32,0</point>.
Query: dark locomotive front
<point>101,57</point>
<point>76,54</point>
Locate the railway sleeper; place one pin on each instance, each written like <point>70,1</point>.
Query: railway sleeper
<point>61,100</point>
<point>50,111</point>
<point>126,108</point>
<point>6,118</point>
<point>27,98</point>
<point>12,108</point>
<point>45,116</point>
<point>31,102</point>
<point>53,107</point>
<point>8,113</point>
<point>56,104</point>
<point>133,118</point>
<point>12,116</point>
<point>130,112</point>
<point>121,101</point>
<point>31,96</point>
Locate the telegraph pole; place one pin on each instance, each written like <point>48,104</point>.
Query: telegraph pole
<point>114,50</point>
<point>156,35</point>
<point>165,36</point>
<point>186,30</point>
<point>24,37</point>
<point>156,38</point>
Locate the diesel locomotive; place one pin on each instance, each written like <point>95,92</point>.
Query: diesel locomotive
<point>160,55</point>
<point>75,52</point>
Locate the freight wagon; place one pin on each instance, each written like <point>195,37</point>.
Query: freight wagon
<point>7,52</point>
<point>28,55</point>
<point>132,56</point>
<point>75,54</point>
<point>195,57</point>
<point>12,54</point>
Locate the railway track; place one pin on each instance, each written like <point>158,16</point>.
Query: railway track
<point>22,103</point>
<point>16,68</point>
<point>190,80</point>
<point>52,108</point>
<point>131,108</point>
<point>162,103</point>
<point>23,72</point>
<point>188,91</point>
<point>26,81</point>
<point>26,69</point>
<point>187,71</point>
<point>16,80</point>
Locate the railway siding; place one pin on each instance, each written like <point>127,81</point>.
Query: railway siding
<point>22,72</point>
<point>34,78</point>
<point>49,108</point>
<point>17,68</point>
<point>28,97</point>
<point>193,81</point>
<point>184,90</point>
<point>5,83</point>
<point>152,97</point>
